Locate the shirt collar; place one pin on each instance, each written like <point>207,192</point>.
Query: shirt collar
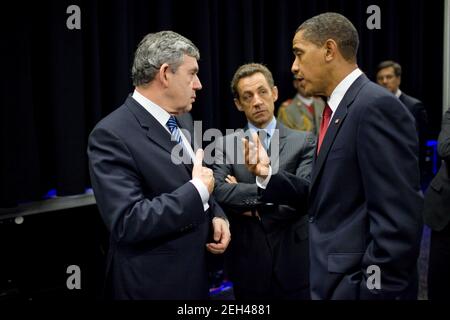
<point>269,128</point>
<point>307,101</point>
<point>161,115</point>
<point>338,93</point>
<point>398,93</point>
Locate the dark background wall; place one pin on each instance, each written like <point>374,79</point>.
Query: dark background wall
<point>57,83</point>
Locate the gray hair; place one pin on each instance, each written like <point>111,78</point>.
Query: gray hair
<point>247,70</point>
<point>159,48</point>
<point>331,25</point>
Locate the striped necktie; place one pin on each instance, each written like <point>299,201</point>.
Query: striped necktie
<point>173,128</point>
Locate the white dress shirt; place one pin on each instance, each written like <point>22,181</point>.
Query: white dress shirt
<point>162,116</point>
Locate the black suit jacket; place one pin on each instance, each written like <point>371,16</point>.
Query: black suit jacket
<point>158,227</point>
<point>418,110</point>
<point>436,212</point>
<point>278,243</point>
<point>364,197</point>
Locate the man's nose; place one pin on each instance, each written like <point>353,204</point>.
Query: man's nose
<point>197,83</point>
<point>294,67</point>
<point>257,100</point>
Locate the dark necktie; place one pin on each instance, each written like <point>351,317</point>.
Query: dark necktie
<point>264,138</point>
<point>326,116</point>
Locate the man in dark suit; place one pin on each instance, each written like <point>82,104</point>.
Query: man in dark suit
<point>268,257</point>
<point>159,211</point>
<point>364,199</point>
<point>389,75</point>
<point>436,214</point>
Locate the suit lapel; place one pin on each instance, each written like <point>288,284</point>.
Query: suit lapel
<point>335,125</point>
<point>153,129</point>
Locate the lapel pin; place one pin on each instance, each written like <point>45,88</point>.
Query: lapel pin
<point>336,121</point>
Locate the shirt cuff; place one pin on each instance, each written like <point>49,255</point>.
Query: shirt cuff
<point>202,190</point>
<point>263,183</point>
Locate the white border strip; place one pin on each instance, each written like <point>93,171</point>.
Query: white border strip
<point>446,71</point>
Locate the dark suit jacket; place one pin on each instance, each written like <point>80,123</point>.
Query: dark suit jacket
<point>364,197</point>
<point>437,198</point>
<point>419,112</point>
<point>278,243</point>
<point>155,216</point>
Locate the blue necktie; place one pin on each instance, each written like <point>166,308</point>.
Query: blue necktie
<point>173,128</point>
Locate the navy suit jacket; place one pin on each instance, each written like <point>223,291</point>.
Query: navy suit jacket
<point>158,227</point>
<point>364,200</point>
<point>419,113</point>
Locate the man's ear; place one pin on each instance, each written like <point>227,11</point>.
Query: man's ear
<point>331,49</point>
<point>163,74</point>
<point>275,93</point>
<point>238,104</point>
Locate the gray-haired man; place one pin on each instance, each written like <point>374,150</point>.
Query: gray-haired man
<point>158,213</point>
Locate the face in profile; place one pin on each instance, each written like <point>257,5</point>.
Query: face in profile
<point>309,66</point>
<point>386,77</point>
<point>256,99</point>
<point>183,85</point>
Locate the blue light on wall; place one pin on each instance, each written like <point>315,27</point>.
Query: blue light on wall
<point>50,194</point>
<point>434,156</point>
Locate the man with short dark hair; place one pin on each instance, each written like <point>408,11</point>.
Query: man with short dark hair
<point>389,75</point>
<point>268,257</point>
<point>364,199</point>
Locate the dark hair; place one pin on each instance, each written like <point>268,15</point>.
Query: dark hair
<point>390,63</point>
<point>246,70</point>
<point>331,25</point>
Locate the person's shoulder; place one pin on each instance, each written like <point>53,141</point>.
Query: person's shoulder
<point>407,99</point>
<point>297,135</point>
<point>115,120</point>
<point>112,118</point>
<point>286,103</point>
<point>373,97</point>
<point>372,92</point>
<point>282,109</point>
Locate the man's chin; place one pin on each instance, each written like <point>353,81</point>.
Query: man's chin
<point>183,110</point>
